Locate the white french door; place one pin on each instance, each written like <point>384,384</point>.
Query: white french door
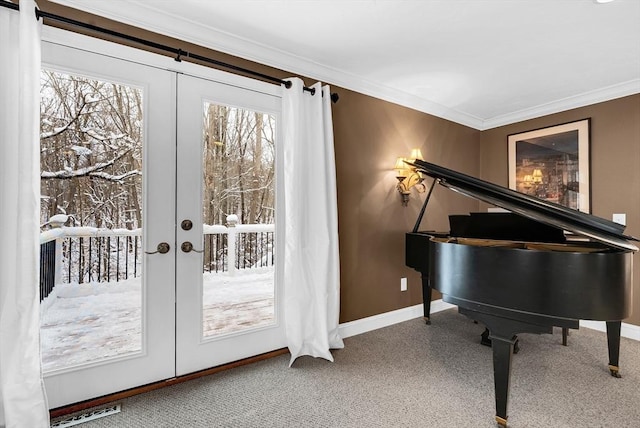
<point>205,286</point>
<point>225,134</point>
<point>72,371</point>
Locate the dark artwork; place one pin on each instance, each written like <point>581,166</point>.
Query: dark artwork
<point>547,167</point>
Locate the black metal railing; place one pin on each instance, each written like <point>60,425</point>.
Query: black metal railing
<point>215,252</point>
<point>47,268</point>
<point>100,258</point>
<point>254,250</point>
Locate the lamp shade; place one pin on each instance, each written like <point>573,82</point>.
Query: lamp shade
<point>400,167</point>
<point>537,176</point>
<point>415,154</point>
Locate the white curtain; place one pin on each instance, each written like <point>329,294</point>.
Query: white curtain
<point>22,396</point>
<point>312,266</point>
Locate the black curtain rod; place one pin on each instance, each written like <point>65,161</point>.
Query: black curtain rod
<point>179,53</point>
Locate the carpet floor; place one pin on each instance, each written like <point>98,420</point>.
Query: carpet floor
<point>407,375</point>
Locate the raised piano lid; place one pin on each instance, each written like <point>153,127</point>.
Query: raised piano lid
<point>531,207</point>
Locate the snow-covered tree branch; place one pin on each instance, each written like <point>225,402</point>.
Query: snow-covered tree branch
<point>90,171</point>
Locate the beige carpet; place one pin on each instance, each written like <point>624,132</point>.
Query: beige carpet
<point>407,375</point>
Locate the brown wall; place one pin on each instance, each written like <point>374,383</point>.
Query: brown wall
<point>615,162</point>
<point>369,135</point>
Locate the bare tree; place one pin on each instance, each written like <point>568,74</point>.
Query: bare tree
<point>91,150</point>
<point>238,163</point>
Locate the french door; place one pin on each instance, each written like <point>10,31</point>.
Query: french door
<point>72,314</point>
<point>166,262</point>
<point>226,140</point>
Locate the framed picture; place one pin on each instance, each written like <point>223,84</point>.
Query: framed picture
<point>553,164</point>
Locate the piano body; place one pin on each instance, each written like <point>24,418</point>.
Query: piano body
<point>515,272</point>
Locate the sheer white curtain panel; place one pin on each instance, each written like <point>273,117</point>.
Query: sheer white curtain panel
<point>311,257</point>
<point>22,397</point>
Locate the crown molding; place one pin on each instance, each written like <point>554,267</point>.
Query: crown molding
<point>153,19</point>
<point>588,98</point>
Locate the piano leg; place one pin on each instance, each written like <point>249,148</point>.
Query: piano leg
<point>565,333</point>
<point>484,340</point>
<point>502,353</point>
<point>426,298</point>
<point>502,333</point>
<point>613,340</point>
<point>484,337</point>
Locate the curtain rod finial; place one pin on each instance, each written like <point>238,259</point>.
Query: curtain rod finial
<point>335,97</point>
<point>288,84</point>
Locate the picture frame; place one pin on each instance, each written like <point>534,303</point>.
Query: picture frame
<point>553,164</point>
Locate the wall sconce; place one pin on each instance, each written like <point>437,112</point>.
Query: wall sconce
<point>407,176</point>
<point>537,176</point>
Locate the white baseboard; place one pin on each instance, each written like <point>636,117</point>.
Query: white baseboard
<point>629,331</point>
<point>386,319</point>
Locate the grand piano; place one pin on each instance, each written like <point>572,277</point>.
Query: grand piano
<point>535,266</point>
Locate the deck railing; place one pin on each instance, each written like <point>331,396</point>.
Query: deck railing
<point>233,247</point>
<point>87,254</point>
<point>47,268</point>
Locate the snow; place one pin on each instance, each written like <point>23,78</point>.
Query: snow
<point>93,133</point>
<point>56,130</point>
<point>83,323</point>
<point>92,170</point>
<point>79,150</point>
<point>85,231</point>
<point>112,177</point>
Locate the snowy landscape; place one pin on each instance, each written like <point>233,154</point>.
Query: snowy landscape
<point>83,323</point>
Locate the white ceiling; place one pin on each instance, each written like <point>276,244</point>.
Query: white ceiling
<point>481,63</point>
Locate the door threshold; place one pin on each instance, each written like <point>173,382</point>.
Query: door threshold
<point>100,401</point>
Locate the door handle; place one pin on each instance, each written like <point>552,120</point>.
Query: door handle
<point>162,248</point>
<point>187,247</point>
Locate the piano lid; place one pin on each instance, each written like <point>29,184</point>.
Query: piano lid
<point>531,207</point>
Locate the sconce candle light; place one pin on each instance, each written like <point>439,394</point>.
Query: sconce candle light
<point>537,176</point>
<point>408,176</point>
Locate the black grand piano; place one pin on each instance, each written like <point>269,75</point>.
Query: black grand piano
<point>526,270</point>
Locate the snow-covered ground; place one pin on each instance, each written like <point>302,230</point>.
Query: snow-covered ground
<point>87,322</point>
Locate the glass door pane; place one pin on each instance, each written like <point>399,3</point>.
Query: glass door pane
<point>91,190</point>
<point>238,219</point>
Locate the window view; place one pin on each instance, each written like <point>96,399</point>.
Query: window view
<point>91,217</point>
<point>238,217</point>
